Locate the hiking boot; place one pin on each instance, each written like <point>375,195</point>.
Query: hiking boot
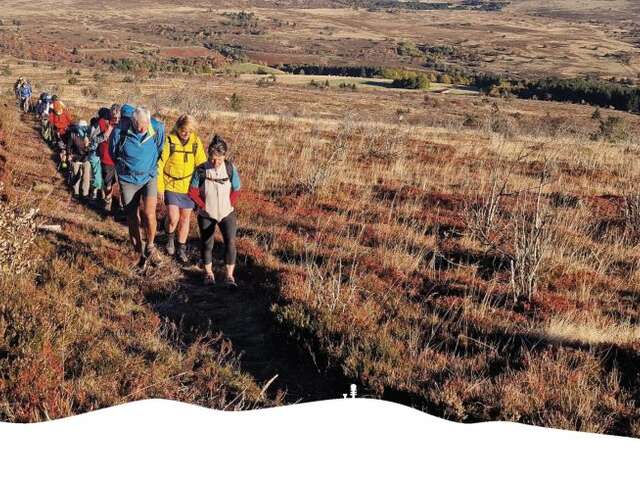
<point>171,244</point>
<point>182,254</point>
<point>141,262</point>
<point>153,255</point>
<point>107,204</point>
<point>209,279</point>
<point>230,282</point>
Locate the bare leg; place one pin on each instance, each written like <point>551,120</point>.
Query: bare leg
<point>208,269</point>
<point>133,221</point>
<point>148,216</point>
<point>230,271</point>
<point>185,219</point>
<point>173,217</point>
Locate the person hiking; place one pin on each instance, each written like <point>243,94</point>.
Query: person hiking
<point>215,187</point>
<point>108,120</point>
<point>17,85</point>
<point>24,95</point>
<point>79,148</point>
<point>183,151</point>
<point>95,138</point>
<point>136,145</point>
<point>43,106</point>
<point>60,120</point>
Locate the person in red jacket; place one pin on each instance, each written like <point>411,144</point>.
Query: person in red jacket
<point>107,124</point>
<point>60,119</point>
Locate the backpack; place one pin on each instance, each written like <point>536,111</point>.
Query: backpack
<point>229,166</point>
<point>228,163</point>
<point>172,149</point>
<point>123,127</point>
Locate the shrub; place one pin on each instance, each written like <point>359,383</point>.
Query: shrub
<point>235,102</point>
<point>411,80</point>
<point>352,86</point>
<point>315,84</point>
<point>5,71</point>
<point>128,79</point>
<point>613,129</point>
<point>267,81</point>
<point>90,92</point>
<point>73,81</point>
<point>523,237</point>
<point>472,121</point>
<point>408,49</point>
<point>17,234</point>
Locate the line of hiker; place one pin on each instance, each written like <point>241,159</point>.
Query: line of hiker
<point>123,162</point>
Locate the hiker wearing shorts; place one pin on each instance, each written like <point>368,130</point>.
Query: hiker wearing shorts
<point>60,120</point>
<point>215,187</point>
<point>136,145</point>
<point>183,152</point>
<point>108,120</point>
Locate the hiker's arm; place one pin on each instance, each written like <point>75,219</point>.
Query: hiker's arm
<point>163,159</point>
<point>235,186</point>
<point>194,189</point>
<point>103,135</point>
<point>113,142</point>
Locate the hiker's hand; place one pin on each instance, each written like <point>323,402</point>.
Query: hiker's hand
<point>161,197</point>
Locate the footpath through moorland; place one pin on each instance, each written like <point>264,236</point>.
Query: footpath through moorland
<point>243,315</point>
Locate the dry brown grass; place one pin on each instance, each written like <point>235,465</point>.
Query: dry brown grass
<point>77,332</point>
<point>382,276</point>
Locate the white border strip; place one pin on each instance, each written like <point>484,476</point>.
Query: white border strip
<point>341,439</point>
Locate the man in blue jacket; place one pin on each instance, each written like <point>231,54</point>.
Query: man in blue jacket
<point>136,145</point>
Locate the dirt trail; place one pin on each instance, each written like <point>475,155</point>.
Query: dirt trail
<point>243,316</point>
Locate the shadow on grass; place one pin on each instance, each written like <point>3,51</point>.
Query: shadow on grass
<point>243,315</point>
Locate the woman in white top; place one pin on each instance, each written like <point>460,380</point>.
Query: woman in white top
<point>215,187</point>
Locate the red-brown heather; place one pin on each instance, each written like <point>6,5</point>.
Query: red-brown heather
<point>473,256</point>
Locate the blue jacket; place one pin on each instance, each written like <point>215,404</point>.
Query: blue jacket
<point>136,155</point>
<point>25,91</point>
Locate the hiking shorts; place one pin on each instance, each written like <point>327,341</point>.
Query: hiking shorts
<point>108,175</point>
<point>131,193</point>
<point>180,200</point>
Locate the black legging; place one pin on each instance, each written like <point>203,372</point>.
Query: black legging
<point>228,227</point>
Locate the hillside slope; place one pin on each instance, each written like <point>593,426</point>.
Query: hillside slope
<point>81,330</point>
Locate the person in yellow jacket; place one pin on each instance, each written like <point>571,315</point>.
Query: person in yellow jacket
<point>183,151</point>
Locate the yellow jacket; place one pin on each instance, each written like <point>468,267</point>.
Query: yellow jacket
<point>178,161</point>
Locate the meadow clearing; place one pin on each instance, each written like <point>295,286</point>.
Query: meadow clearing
<point>471,256</point>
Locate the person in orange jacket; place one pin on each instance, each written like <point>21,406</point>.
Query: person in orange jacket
<point>60,119</point>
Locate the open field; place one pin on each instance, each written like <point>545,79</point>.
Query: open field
<point>475,257</point>
<point>396,249</point>
<point>527,38</point>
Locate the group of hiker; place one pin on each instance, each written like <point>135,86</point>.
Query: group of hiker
<point>124,147</point>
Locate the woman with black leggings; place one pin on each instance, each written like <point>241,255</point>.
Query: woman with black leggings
<point>215,187</point>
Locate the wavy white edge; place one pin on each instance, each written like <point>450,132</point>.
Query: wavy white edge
<point>353,439</point>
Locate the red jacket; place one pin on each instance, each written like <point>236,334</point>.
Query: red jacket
<point>103,148</point>
<point>60,122</point>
